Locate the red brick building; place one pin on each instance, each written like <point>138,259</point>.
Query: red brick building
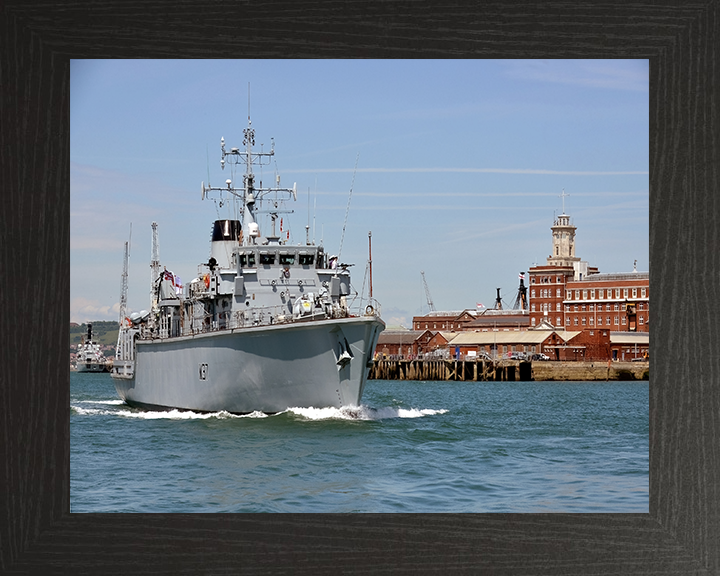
<point>447,321</point>
<point>407,344</point>
<point>617,302</point>
<point>483,320</point>
<point>568,293</point>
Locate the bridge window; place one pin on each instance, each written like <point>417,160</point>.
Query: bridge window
<point>306,259</point>
<point>267,259</point>
<point>247,260</point>
<point>287,259</point>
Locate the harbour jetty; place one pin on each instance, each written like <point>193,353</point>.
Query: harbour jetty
<point>504,370</point>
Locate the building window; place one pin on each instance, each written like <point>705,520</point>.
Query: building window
<point>600,321</point>
<point>557,293</point>
<point>532,307</point>
<point>607,318</point>
<point>600,293</point>
<point>567,321</point>
<point>532,293</point>
<point>559,280</point>
<point>592,294</point>
<point>625,293</point>
<point>623,321</point>
<point>434,326</point>
<point>641,306</point>
<point>617,292</point>
<point>641,320</point>
<point>558,322</point>
<point>616,321</point>
<point>591,321</point>
<point>577,294</point>
<point>634,292</point>
<point>568,295</point>
<point>532,320</point>
<point>617,307</point>
<point>585,295</point>
<point>576,321</point>
<point>557,307</point>
<point>642,292</point>
<point>583,320</point>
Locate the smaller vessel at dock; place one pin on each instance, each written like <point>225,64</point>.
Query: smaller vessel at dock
<point>89,356</point>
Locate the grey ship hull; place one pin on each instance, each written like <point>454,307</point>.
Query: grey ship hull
<point>90,367</point>
<point>318,363</point>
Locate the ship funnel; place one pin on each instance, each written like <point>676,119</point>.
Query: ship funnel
<point>225,236</point>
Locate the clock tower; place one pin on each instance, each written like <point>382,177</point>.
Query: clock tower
<point>563,240</point>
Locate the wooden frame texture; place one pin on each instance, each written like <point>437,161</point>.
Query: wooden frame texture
<point>680,535</point>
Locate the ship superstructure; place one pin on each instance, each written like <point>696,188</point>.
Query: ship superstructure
<point>89,356</point>
<point>264,325</point>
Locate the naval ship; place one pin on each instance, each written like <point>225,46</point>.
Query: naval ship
<point>89,356</point>
<point>265,326</point>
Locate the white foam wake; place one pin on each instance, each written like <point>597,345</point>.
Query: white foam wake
<point>362,413</point>
<point>128,412</point>
<point>342,413</point>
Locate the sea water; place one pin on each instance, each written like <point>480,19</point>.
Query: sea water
<point>411,446</point>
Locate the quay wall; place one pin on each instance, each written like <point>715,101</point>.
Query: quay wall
<point>564,371</point>
<point>506,370</point>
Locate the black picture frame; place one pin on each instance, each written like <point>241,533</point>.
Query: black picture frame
<point>680,534</point>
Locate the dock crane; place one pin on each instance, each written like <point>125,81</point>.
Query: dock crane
<point>427,293</point>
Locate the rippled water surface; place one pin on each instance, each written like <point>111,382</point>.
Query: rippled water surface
<point>410,447</point>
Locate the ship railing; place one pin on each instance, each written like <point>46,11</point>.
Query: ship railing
<point>266,316</point>
<point>369,307</point>
<point>261,316</point>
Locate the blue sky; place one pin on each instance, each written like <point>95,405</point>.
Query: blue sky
<point>460,167</point>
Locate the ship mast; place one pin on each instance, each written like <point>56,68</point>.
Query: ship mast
<point>370,260</point>
<point>250,193</point>
<point>154,271</point>
<point>124,288</point>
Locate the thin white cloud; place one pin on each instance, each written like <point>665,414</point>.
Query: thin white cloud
<point>631,75</point>
<point>85,310</point>
<point>483,194</point>
<point>472,171</point>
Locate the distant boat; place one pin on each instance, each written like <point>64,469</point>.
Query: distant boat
<point>89,356</point>
<point>264,326</point>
